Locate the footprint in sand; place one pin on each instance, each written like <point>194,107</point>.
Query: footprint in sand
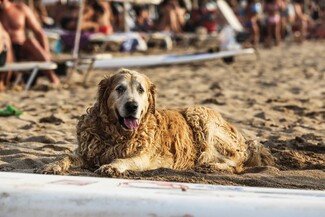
<point>213,101</point>
<point>262,169</point>
<point>316,114</point>
<point>294,108</point>
<point>27,127</point>
<point>42,139</point>
<point>51,120</point>
<point>215,85</point>
<point>55,148</point>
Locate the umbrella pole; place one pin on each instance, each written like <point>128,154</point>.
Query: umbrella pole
<point>125,13</point>
<point>75,53</point>
<point>78,31</point>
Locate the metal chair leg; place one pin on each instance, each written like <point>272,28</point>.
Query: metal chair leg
<point>31,78</point>
<point>90,67</point>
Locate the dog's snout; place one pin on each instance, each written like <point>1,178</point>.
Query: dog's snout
<point>131,107</point>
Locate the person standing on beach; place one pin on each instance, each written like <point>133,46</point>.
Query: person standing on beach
<point>16,18</point>
<point>272,11</point>
<point>251,15</point>
<point>171,17</point>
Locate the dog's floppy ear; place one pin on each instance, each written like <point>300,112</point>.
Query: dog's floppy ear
<point>152,98</point>
<point>104,87</point>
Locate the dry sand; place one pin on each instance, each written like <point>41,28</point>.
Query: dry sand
<point>278,100</point>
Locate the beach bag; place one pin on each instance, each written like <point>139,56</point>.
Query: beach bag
<point>3,56</point>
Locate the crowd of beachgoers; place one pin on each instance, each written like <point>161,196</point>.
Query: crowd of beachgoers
<point>268,23</point>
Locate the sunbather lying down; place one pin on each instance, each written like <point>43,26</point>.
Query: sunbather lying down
<point>15,18</point>
<point>96,17</point>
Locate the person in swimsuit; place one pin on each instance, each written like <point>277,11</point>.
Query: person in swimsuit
<point>6,56</point>
<point>301,21</point>
<point>143,23</point>
<point>251,12</point>
<point>171,17</point>
<point>96,17</point>
<point>16,18</point>
<point>102,15</point>
<point>287,18</point>
<point>273,24</point>
<point>320,28</point>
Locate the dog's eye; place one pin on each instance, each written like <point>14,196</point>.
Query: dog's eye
<point>120,89</point>
<point>140,90</point>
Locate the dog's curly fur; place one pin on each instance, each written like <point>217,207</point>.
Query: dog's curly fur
<point>177,139</point>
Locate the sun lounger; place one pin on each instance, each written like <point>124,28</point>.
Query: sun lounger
<point>85,64</point>
<point>128,38</point>
<point>24,67</point>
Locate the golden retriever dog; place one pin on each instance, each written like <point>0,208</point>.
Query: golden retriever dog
<point>124,131</point>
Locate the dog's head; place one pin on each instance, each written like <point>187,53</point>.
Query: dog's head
<point>128,97</point>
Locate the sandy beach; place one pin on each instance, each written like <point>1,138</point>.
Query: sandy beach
<point>278,99</point>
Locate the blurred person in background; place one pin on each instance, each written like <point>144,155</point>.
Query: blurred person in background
<point>96,17</point>
<point>300,24</point>
<point>16,19</point>
<point>250,19</point>
<point>5,57</point>
<point>272,10</point>
<point>143,22</point>
<point>171,17</point>
<point>41,14</point>
<point>287,18</point>
<point>98,13</point>
<point>319,28</point>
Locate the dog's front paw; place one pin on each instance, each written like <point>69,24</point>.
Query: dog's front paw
<point>53,168</point>
<point>111,171</point>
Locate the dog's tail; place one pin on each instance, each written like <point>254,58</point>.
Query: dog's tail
<point>258,155</point>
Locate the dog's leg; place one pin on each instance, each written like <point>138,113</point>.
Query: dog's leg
<point>120,166</point>
<point>63,165</point>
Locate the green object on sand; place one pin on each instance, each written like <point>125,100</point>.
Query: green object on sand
<point>10,110</point>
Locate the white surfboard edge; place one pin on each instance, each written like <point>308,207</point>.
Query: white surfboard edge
<point>50,195</point>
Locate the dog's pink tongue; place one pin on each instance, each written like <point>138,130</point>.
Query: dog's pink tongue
<point>131,123</point>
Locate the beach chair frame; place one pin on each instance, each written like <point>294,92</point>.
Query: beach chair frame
<point>26,67</point>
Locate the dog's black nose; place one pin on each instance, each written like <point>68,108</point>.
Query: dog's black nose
<point>131,107</point>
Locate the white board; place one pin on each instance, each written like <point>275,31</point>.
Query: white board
<point>155,60</point>
<point>229,15</point>
<point>48,195</point>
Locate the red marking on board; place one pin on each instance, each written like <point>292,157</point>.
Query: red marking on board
<point>71,182</point>
<point>154,185</point>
